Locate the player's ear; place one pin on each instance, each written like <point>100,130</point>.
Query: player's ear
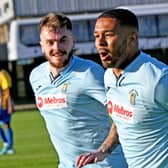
<point>132,40</point>
<point>41,47</point>
<point>74,41</point>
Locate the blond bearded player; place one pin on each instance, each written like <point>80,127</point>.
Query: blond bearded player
<point>70,95</point>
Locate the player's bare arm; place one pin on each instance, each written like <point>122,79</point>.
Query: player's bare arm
<point>10,105</point>
<point>105,149</point>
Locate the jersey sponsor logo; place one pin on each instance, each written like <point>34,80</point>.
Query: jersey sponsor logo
<point>51,101</point>
<point>120,111</point>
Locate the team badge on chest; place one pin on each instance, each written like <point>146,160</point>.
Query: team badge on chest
<point>64,87</point>
<point>133,95</point>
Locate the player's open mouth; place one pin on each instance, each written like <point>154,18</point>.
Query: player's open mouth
<point>104,55</point>
<point>57,55</point>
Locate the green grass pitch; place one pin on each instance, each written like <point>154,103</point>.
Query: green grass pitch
<point>32,143</point>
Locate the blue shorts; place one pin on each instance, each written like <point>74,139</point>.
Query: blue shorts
<point>4,116</point>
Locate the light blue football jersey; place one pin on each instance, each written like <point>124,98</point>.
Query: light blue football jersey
<point>73,108</point>
<point>138,105</point>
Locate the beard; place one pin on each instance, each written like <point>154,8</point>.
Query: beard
<point>107,64</point>
<point>116,59</point>
<point>68,59</point>
<point>58,63</point>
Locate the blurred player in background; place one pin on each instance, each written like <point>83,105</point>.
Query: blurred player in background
<point>70,95</point>
<point>6,109</point>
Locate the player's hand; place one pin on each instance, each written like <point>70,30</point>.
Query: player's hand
<point>88,158</point>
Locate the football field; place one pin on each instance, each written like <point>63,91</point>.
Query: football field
<point>32,143</point>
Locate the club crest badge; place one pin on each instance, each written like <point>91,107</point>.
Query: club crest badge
<point>133,95</point>
<point>64,87</point>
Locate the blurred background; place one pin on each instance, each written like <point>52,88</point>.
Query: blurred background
<point>19,37</point>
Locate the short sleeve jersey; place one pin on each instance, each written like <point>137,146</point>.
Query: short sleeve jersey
<point>5,84</point>
<point>138,104</point>
<point>5,81</point>
<point>73,106</point>
<point>7,77</point>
